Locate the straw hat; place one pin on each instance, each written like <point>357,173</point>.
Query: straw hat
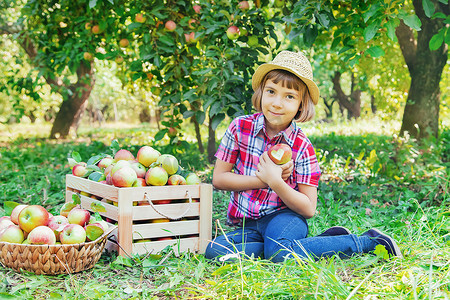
<point>294,62</point>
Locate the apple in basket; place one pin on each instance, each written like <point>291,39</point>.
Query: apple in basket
<point>15,213</point>
<point>42,235</point>
<point>72,234</point>
<point>66,208</point>
<point>57,224</point>
<point>33,216</point>
<point>79,216</point>
<point>11,234</point>
<point>95,230</point>
<point>280,153</point>
<point>5,222</point>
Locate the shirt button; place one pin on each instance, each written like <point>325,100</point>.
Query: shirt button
<point>257,202</point>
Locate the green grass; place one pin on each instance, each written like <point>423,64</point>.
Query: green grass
<point>371,178</point>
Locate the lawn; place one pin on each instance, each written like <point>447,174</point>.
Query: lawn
<point>371,178</point>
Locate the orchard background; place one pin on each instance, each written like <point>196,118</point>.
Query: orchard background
<point>172,74</point>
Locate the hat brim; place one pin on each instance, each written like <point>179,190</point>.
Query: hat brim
<point>263,69</point>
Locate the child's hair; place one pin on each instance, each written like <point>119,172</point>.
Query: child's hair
<point>306,110</point>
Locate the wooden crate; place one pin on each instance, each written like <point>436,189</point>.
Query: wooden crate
<point>138,232</point>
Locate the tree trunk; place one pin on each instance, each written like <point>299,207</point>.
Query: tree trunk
<point>351,103</point>
<point>73,106</point>
<point>195,106</point>
<point>211,143</point>
<point>421,114</point>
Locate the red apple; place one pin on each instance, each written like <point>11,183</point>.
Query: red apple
<point>190,37</point>
<point>79,216</point>
<point>96,29</point>
<point>197,8</point>
<point>108,169</point>
<point>88,56</point>
<point>72,234</point>
<point>123,154</point>
<point>33,216</point>
<point>139,169</point>
<point>108,179</point>
<point>118,59</point>
<point>94,231</point>
<point>233,32</point>
<point>147,155</point>
<point>172,133</point>
<point>169,163</point>
<point>5,222</point>
<point>15,213</point>
<point>280,153</point>
<point>244,5</point>
<point>88,25</point>
<point>156,176</point>
<point>57,224</point>
<point>66,208</point>
<point>176,179</point>
<point>124,43</point>
<point>170,25</point>
<point>105,162</point>
<point>124,177</point>
<point>192,178</point>
<point>42,235</point>
<point>11,234</point>
<point>140,182</point>
<point>119,165</point>
<point>140,18</point>
<point>80,170</point>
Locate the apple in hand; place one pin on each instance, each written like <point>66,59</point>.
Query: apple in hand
<point>72,234</point>
<point>42,235</point>
<point>79,216</point>
<point>15,213</point>
<point>33,216</point>
<point>12,234</point>
<point>57,224</point>
<point>280,153</point>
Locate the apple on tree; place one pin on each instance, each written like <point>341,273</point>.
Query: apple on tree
<point>170,26</point>
<point>197,8</point>
<point>233,32</point>
<point>280,153</point>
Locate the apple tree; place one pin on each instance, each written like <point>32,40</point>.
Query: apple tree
<point>421,28</point>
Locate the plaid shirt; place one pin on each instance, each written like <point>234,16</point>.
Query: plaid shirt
<point>243,143</point>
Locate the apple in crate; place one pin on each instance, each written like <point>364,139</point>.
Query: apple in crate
<point>139,169</point>
<point>156,176</point>
<point>147,155</point>
<point>105,162</point>
<point>33,216</point>
<point>42,235</point>
<point>124,177</point>
<point>72,234</point>
<point>5,222</point>
<point>280,153</point>
<point>123,154</point>
<point>140,182</point>
<point>80,170</point>
<point>15,213</point>
<point>12,234</point>
<point>192,178</point>
<point>79,216</point>
<point>57,224</point>
<point>176,179</point>
<point>169,163</point>
<point>119,165</point>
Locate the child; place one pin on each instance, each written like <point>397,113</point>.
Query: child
<point>270,203</point>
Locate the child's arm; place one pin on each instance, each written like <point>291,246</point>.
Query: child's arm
<point>225,179</point>
<point>303,202</point>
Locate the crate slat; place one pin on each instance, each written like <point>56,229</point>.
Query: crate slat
<point>155,230</point>
<point>147,212</point>
<point>178,245</point>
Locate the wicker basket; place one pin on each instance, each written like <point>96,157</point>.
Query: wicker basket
<point>53,259</point>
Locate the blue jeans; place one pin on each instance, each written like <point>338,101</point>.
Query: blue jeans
<point>278,235</point>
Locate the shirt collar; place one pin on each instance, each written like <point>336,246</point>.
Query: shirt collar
<point>288,134</point>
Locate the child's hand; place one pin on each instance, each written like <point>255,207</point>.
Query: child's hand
<point>287,170</point>
<point>267,170</point>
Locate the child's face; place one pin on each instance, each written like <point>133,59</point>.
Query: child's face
<point>279,105</point>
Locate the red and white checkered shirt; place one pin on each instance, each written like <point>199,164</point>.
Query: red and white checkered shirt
<point>243,143</point>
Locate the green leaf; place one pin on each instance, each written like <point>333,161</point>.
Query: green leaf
<point>8,206</point>
<point>95,159</point>
<point>413,21</point>
<point>76,198</point>
<point>97,206</point>
<point>381,252</point>
<point>375,51</point>
<point>95,176</point>
<point>124,261</point>
<point>217,120</point>
<point>76,156</point>
<point>114,146</point>
<point>324,20</point>
<point>390,27</point>
<point>370,31</point>
<point>92,3</point>
<point>437,40</point>
<point>160,134</point>
<point>428,7</point>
